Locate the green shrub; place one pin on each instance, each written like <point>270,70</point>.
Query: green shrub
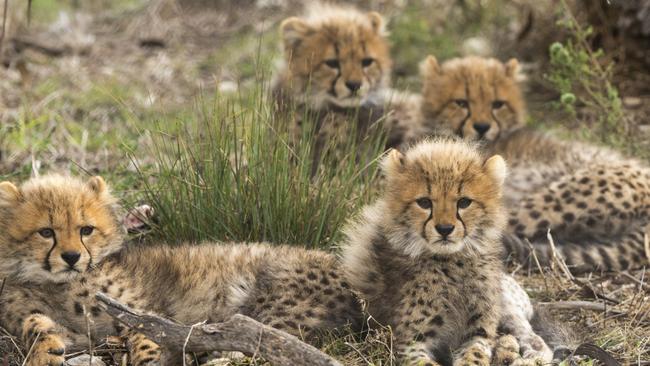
<point>582,77</point>
<point>230,173</point>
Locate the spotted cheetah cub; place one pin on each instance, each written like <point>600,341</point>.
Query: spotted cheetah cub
<point>426,255</point>
<point>334,57</point>
<point>594,201</point>
<point>336,65</point>
<point>61,241</point>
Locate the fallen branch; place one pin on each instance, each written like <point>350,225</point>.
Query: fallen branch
<point>572,305</point>
<point>24,42</point>
<point>239,333</point>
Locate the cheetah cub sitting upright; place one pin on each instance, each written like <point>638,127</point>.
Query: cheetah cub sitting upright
<point>426,255</point>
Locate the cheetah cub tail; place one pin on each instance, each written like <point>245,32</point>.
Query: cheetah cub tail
<point>621,253</point>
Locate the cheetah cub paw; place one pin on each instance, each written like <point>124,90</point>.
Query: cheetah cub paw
<point>45,348</point>
<point>506,352</point>
<point>143,352</point>
<point>48,350</point>
<point>476,354</point>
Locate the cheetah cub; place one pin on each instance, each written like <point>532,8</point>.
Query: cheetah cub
<point>426,255</point>
<point>336,69</point>
<point>594,201</point>
<point>61,241</point>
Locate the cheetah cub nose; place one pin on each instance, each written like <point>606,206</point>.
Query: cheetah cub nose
<point>444,229</point>
<point>71,257</point>
<point>481,127</point>
<point>354,86</point>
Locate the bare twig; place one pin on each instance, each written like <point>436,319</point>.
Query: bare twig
<point>4,24</point>
<point>539,266</point>
<point>90,340</point>
<point>592,291</point>
<point>31,348</point>
<point>572,305</point>
<point>13,342</point>
<point>239,333</point>
<point>640,283</point>
<point>187,339</point>
<point>557,258</point>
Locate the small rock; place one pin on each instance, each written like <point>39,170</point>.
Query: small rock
<point>632,102</point>
<point>227,86</point>
<point>476,46</point>
<point>84,360</point>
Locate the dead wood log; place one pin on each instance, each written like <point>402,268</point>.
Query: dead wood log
<point>239,333</point>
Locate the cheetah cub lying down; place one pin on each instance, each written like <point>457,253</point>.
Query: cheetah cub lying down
<point>426,257</point>
<point>594,201</point>
<point>61,241</point>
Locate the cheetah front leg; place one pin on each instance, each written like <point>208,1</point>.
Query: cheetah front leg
<point>415,354</point>
<point>44,340</point>
<point>478,350</point>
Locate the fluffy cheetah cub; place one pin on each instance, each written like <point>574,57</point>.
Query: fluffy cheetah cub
<point>334,57</point>
<point>426,255</point>
<point>61,242</point>
<point>595,201</point>
<point>336,63</point>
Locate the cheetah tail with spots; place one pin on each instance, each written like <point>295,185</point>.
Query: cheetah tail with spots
<point>625,251</point>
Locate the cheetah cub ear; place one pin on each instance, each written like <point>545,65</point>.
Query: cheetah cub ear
<point>429,68</point>
<point>377,22</point>
<point>393,163</point>
<point>293,30</point>
<point>495,167</point>
<point>513,70</point>
<point>97,185</point>
<point>9,194</point>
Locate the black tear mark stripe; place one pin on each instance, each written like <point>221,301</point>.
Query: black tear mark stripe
<point>469,110</point>
<point>332,90</point>
<point>46,264</point>
<point>424,227</point>
<point>90,256</point>
<point>460,188</point>
<point>492,111</point>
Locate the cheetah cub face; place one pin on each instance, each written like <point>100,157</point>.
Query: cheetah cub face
<point>335,56</point>
<point>444,197</point>
<point>474,98</point>
<point>54,228</point>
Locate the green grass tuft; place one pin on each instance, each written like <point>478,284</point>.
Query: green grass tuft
<point>230,172</point>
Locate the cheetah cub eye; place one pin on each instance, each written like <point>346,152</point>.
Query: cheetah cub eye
<point>87,230</point>
<point>464,203</point>
<point>424,203</point>
<point>46,233</point>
